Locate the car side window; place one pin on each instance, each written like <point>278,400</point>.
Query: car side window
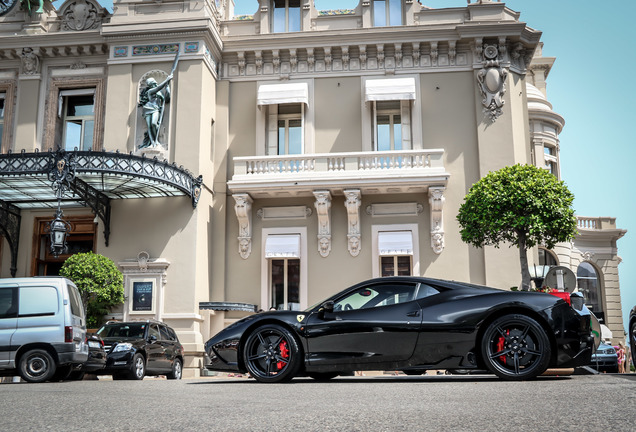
<point>376,296</point>
<point>425,290</point>
<point>8,302</point>
<point>154,331</point>
<point>165,334</point>
<point>173,335</point>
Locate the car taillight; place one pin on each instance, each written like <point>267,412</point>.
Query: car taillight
<point>68,334</point>
<point>564,295</point>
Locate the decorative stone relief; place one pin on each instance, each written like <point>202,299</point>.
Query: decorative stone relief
<point>323,211</point>
<point>587,256</point>
<point>30,62</point>
<point>81,15</point>
<point>243,209</point>
<point>436,201</point>
<point>491,79</point>
<point>352,203</point>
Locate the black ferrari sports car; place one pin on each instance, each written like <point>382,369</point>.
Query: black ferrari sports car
<point>410,324</point>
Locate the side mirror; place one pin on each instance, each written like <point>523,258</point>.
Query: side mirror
<point>152,339</point>
<point>326,307</point>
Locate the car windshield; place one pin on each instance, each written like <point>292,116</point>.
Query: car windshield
<point>122,331</point>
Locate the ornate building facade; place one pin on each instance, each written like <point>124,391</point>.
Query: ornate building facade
<point>332,147</point>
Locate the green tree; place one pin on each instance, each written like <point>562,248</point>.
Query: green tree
<point>99,281</point>
<point>522,205</point>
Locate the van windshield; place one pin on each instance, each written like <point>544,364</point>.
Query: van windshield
<point>122,331</point>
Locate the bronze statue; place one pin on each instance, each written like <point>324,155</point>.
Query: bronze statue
<point>153,102</point>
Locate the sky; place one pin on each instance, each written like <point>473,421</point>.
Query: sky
<point>590,86</point>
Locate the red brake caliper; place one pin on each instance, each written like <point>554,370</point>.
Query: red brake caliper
<point>500,346</point>
<point>284,353</point>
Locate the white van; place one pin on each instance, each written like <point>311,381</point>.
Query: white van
<point>42,328</point>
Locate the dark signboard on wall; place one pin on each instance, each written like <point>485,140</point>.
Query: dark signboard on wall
<point>142,296</point>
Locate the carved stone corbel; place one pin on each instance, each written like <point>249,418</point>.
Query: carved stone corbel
<point>491,79</point>
<point>243,209</point>
<point>323,211</point>
<point>436,201</point>
<point>352,203</point>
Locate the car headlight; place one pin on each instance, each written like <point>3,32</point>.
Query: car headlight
<point>124,346</point>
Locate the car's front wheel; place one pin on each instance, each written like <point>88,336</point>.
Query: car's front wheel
<point>177,370</point>
<point>271,354</point>
<point>138,370</point>
<point>37,366</point>
<point>515,347</point>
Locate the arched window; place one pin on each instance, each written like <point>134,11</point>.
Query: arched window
<point>589,285</point>
<point>547,258</point>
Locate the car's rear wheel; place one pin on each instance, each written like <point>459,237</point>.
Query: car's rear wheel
<point>515,347</point>
<point>271,354</point>
<point>37,366</point>
<point>323,376</point>
<point>138,370</point>
<point>177,370</point>
<point>62,373</point>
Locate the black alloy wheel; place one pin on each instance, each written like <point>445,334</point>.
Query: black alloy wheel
<point>37,366</point>
<point>515,347</point>
<point>177,370</point>
<point>271,354</point>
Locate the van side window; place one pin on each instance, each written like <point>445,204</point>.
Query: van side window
<point>77,308</point>
<point>38,301</point>
<point>8,302</point>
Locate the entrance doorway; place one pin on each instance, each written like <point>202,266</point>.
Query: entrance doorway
<point>80,239</point>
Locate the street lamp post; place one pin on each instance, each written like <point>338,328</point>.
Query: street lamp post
<point>61,174</point>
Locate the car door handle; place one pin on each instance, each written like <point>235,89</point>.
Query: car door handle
<point>413,314</point>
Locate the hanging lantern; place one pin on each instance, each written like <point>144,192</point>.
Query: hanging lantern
<point>58,231</point>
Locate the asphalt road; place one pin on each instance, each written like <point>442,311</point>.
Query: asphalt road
<point>383,403</point>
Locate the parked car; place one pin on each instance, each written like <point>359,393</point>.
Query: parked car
<point>605,359</point>
<point>410,324</point>
<point>138,348</point>
<point>96,358</point>
<point>42,328</point>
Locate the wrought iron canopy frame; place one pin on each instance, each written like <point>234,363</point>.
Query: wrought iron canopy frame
<point>99,177</point>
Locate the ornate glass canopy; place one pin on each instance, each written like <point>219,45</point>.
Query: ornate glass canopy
<point>99,177</point>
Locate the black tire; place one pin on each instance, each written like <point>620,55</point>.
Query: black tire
<point>177,370</point>
<point>138,368</point>
<point>62,373</point>
<point>36,366</point>
<point>323,376</point>
<point>77,376</point>
<point>515,347</point>
<point>271,354</point>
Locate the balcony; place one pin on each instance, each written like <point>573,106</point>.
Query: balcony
<point>405,171</point>
<point>598,229</point>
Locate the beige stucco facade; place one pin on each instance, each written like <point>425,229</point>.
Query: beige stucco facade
<point>474,102</point>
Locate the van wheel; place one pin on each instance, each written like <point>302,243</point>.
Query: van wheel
<point>36,366</point>
<point>177,370</point>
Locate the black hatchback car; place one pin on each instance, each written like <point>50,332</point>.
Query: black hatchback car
<point>139,348</point>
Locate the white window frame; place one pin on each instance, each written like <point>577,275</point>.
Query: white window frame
<point>273,135</point>
<point>411,119</point>
<point>266,294</point>
<point>63,99</point>
<point>273,18</point>
<point>375,252</point>
<point>267,124</point>
<point>387,13</point>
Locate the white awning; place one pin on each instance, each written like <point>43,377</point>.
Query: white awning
<point>273,94</point>
<point>282,246</point>
<point>395,243</point>
<point>389,89</point>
